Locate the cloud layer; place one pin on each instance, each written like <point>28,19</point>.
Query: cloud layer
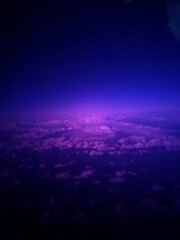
<point>93,136</point>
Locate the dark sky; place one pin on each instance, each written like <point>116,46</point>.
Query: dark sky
<point>70,54</point>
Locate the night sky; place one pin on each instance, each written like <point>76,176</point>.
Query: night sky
<point>71,55</point>
<point>90,119</point>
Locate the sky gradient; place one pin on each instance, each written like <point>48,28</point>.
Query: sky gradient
<point>72,55</point>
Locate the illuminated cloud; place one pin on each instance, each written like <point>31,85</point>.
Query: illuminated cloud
<point>90,136</point>
<point>86,174</point>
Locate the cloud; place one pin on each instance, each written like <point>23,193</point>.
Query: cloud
<point>94,138</point>
<point>119,177</point>
<point>157,187</point>
<point>153,203</point>
<point>62,175</point>
<point>86,174</point>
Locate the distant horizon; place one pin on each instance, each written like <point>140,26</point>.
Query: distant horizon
<point>50,114</point>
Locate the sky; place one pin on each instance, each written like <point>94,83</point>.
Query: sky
<point>82,55</point>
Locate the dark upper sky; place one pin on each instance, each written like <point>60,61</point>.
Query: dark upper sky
<point>75,53</point>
